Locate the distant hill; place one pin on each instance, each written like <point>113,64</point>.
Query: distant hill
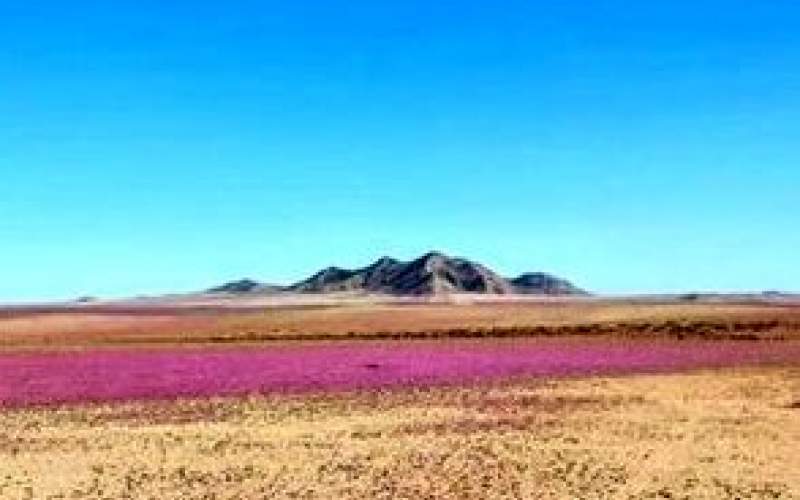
<point>245,285</point>
<point>431,274</point>
<point>543,283</point>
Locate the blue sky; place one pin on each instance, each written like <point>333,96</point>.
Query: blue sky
<point>153,146</point>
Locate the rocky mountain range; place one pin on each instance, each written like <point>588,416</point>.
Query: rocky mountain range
<point>431,274</point>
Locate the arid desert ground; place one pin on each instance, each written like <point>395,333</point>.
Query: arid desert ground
<point>573,398</point>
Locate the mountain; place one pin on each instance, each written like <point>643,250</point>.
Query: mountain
<point>245,285</point>
<point>433,273</point>
<point>544,283</point>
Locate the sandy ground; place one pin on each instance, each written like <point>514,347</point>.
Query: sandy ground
<point>724,434</point>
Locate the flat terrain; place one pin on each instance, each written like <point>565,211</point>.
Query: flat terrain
<point>721,434</point>
<point>146,324</point>
<point>521,399</point>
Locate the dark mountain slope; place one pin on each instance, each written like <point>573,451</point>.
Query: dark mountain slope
<point>245,285</point>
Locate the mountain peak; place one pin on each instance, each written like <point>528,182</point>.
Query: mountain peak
<point>434,255</point>
<point>385,261</point>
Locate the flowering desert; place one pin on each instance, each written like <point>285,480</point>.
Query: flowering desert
<point>536,400</point>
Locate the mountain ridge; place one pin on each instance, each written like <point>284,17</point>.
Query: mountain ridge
<point>433,273</point>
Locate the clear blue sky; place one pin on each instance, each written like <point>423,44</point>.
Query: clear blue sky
<point>151,146</point>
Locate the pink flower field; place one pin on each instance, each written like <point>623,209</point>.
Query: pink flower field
<point>95,376</point>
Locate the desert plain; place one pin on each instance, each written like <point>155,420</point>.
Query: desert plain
<point>375,398</point>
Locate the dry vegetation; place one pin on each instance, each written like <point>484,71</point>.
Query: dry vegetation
<point>97,326</point>
<point>732,434</point>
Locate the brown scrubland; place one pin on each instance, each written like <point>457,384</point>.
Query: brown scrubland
<point>158,325</point>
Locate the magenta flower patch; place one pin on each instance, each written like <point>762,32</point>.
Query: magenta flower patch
<point>43,378</point>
